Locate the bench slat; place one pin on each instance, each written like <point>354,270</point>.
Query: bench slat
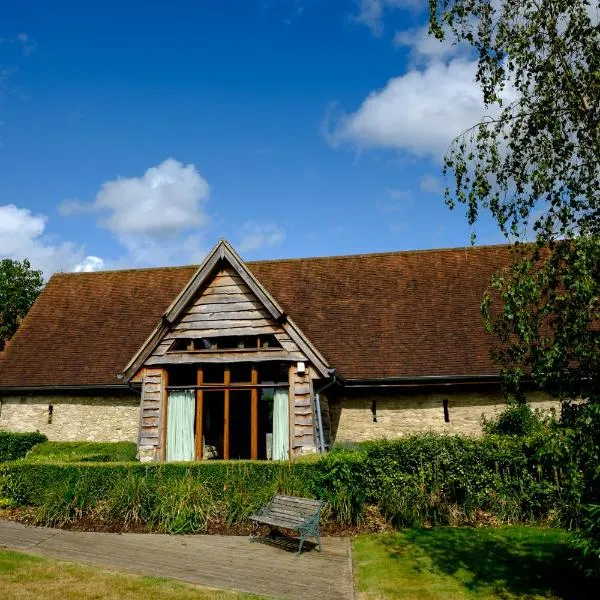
<point>286,516</point>
<point>291,510</point>
<point>277,522</point>
<point>301,501</point>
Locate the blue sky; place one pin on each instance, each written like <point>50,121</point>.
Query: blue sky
<point>139,133</point>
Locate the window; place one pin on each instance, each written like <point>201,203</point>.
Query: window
<point>234,343</point>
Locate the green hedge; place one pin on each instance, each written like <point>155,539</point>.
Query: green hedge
<point>83,452</point>
<point>16,445</point>
<point>412,481</point>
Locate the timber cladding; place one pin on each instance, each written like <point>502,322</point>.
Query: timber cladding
<point>152,414</point>
<point>226,307</point>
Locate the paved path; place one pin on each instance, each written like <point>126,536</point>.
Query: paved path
<point>208,560</point>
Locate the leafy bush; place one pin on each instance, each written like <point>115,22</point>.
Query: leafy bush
<point>587,542</point>
<point>515,419</point>
<point>16,445</point>
<point>83,451</point>
<point>416,480</point>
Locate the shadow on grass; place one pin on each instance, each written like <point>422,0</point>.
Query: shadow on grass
<point>521,561</point>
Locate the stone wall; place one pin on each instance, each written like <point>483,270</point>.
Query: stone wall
<point>367,417</point>
<point>74,418</point>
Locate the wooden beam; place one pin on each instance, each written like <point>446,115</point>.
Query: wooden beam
<point>227,381</point>
<point>199,413</point>
<point>254,416</point>
<point>164,401</point>
<point>291,412</point>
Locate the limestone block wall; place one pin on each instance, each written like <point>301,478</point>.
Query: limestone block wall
<point>368,417</point>
<point>74,418</point>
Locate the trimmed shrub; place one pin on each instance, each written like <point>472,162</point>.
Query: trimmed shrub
<point>16,445</point>
<point>413,481</point>
<point>83,452</point>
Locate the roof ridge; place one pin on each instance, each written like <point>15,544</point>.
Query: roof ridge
<point>387,253</point>
<point>293,259</point>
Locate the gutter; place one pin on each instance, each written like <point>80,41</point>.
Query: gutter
<point>67,388</point>
<point>418,381</point>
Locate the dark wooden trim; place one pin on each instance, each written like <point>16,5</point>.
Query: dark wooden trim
<point>291,411</point>
<point>199,413</point>
<point>227,382</point>
<point>164,400</point>
<point>225,350</point>
<point>232,386</point>
<point>254,416</point>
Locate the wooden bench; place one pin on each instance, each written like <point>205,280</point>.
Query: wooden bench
<point>298,514</point>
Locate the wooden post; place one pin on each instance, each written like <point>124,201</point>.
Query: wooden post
<point>199,414</point>
<point>226,412</point>
<point>164,400</point>
<point>254,416</point>
<point>291,413</point>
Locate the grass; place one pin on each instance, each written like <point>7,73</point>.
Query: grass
<point>525,563</point>
<point>24,576</point>
<point>82,452</point>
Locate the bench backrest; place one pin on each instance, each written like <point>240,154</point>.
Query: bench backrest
<point>302,507</point>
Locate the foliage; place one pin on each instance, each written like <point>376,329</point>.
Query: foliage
<point>516,419</point>
<point>535,165</point>
<point>485,563</point>
<point>413,481</point>
<point>17,445</point>
<point>83,451</point>
<point>536,162</point>
<point>587,541</point>
<point>20,285</point>
<point>547,326</point>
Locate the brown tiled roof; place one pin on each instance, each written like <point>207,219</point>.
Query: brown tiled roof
<point>400,314</point>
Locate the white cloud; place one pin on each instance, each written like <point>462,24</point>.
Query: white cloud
<point>425,47</point>
<point>89,264</point>
<point>157,216</point>
<point>22,236</point>
<point>168,198</point>
<point>420,112</point>
<point>69,207</point>
<point>370,12</point>
<point>431,183</point>
<point>259,235</point>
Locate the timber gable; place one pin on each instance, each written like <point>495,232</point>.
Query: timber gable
<point>220,282</point>
<point>226,307</point>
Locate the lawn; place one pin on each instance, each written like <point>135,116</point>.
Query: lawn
<point>464,563</point>
<point>82,452</point>
<point>24,576</point>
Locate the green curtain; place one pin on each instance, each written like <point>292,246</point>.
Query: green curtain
<point>180,425</point>
<point>281,437</point>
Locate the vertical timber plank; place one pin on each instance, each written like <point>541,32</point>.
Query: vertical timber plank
<point>292,437</point>
<point>164,400</point>
<point>199,414</point>
<point>254,416</point>
<point>226,412</point>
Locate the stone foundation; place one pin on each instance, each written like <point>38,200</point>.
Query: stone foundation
<point>357,419</point>
<point>73,418</point>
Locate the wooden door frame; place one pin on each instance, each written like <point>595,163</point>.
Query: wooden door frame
<point>226,387</point>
